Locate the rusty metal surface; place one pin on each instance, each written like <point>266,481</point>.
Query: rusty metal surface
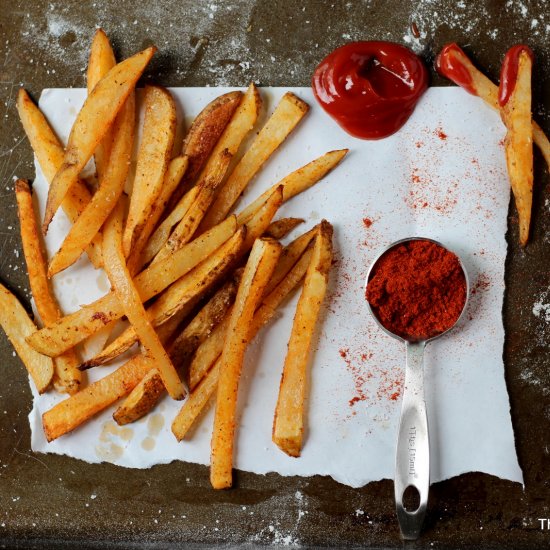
<point>48,500</point>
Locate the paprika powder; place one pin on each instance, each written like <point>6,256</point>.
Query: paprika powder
<point>417,289</point>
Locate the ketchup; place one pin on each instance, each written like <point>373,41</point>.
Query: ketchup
<point>450,63</point>
<point>509,71</point>
<point>370,88</point>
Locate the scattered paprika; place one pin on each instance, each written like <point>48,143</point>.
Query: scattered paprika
<point>417,289</point>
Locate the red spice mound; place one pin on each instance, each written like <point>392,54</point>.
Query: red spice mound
<point>417,290</point>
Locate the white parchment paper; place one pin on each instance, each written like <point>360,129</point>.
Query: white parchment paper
<point>442,176</point>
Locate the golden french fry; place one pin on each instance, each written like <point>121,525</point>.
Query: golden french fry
<point>101,61</point>
<point>76,327</point>
<point>202,136</point>
<point>80,407</point>
<point>288,423</point>
<point>111,186</point>
<point>181,294</point>
<point>285,117</point>
<point>259,267</point>
<point>17,326</point>
<point>518,143</point>
<point>162,233</point>
<point>290,255</point>
<point>281,228</point>
<point>202,325</point>
<point>130,299</point>
<point>209,351</point>
<point>451,58</point>
<point>174,173</point>
<point>241,123</point>
<point>49,153</point>
<point>141,399</point>
<point>196,402</point>
<point>157,141</point>
<point>184,230</point>
<point>91,125</point>
<point>67,377</point>
<point>262,217</point>
<point>298,181</point>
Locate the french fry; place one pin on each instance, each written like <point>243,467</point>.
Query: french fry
<point>160,237</point>
<point>92,124</point>
<point>101,61</point>
<point>174,173</point>
<point>290,255</point>
<point>184,230</point>
<point>475,82</point>
<point>241,123</point>
<point>76,327</point>
<point>110,189</point>
<point>298,181</point>
<point>67,378</point>
<point>49,153</point>
<point>202,136</point>
<point>281,228</point>
<point>141,399</point>
<point>260,220</point>
<point>181,294</point>
<point>17,326</point>
<point>130,299</point>
<point>196,402</point>
<point>159,130</point>
<point>162,233</point>
<point>258,269</point>
<point>80,407</point>
<point>209,351</point>
<point>518,143</point>
<point>288,423</point>
<point>288,113</point>
<point>202,325</point>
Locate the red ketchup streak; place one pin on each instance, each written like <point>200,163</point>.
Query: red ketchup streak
<point>509,72</point>
<point>451,63</point>
<point>370,88</point>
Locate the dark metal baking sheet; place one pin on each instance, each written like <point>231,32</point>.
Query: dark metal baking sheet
<point>54,501</point>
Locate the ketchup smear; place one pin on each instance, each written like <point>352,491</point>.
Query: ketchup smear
<point>370,88</point>
<point>451,63</point>
<point>509,71</point>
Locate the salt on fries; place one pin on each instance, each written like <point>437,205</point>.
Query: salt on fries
<point>216,277</point>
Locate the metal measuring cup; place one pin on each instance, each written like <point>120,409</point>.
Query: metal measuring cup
<point>412,460</point>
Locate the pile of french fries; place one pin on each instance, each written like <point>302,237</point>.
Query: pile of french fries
<point>195,281</point>
<point>516,113</point>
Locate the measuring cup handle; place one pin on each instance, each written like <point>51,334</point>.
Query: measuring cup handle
<point>412,464</point>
